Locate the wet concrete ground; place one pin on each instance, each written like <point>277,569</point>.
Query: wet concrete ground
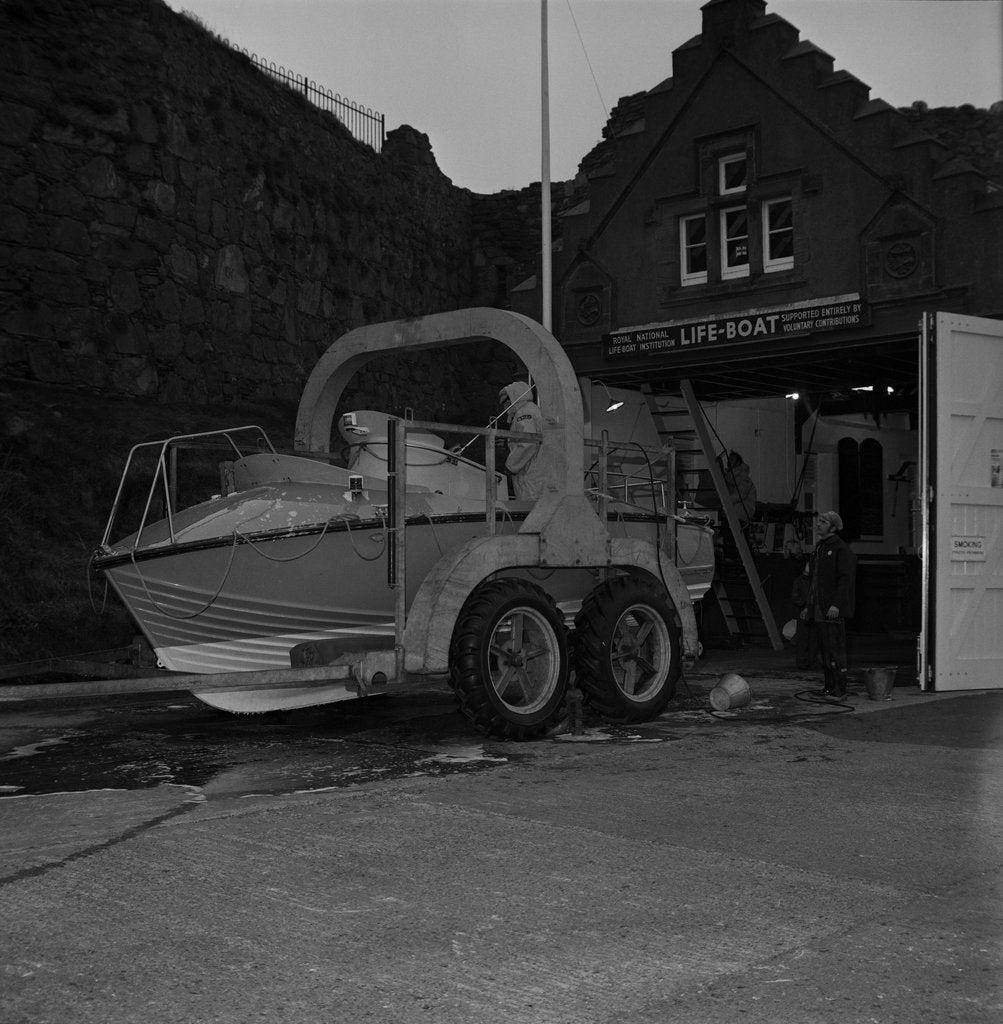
<point>140,743</point>
<point>788,861</point>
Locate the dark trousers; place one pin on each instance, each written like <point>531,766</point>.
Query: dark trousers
<point>831,637</point>
<point>805,644</point>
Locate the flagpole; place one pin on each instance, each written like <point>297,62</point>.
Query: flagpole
<point>545,239</point>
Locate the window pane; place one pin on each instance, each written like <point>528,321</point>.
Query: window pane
<point>782,246</point>
<point>694,255</point>
<point>736,237</point>
<point>780,215</point>
<point>737,222</point>
<point>733,173</point>
<point>696,231</point>
<point>779,232</point>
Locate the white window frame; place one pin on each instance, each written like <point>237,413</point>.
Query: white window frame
<point>771,266</point>
<point>686,276</point>
<point>728,271</point>
<point>722,164</point>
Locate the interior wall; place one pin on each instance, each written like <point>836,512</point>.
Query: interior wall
<point>632,421</point>
<point>900,445</point>
<point>762,432</point>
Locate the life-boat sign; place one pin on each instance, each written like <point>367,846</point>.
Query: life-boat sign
<point>968,549</point>
<point>834,312</point>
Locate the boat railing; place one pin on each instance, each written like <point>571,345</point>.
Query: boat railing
<point>490,433</point>
<point>612,480</point>
<point>632,474</point>
<point>650,489</point>
<point>165,475</point>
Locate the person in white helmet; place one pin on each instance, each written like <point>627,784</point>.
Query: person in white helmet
<point>523,462</point>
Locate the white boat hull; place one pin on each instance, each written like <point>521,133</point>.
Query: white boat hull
<point>227,606</point>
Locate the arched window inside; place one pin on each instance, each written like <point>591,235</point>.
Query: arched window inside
<point>872,489</point>
<point>861,488</point>
<point>848,455</point>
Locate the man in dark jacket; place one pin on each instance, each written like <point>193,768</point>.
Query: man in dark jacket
<point>831,600</point>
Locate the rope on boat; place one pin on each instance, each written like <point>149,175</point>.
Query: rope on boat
<point>351,539</point>
<point>238,538</point>
<point>292,558</point>
<point>198,611</point>
<point>346,518</point>
<point>90,591</point>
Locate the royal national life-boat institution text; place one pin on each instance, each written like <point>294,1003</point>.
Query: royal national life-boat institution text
<point>823,315</point>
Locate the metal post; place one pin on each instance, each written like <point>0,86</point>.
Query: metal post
<point>669,502</point>
<point>924,496</point>
<point>604,478</point>
<point>546,293</point>
<point>172,496</point>
<point>491,482</point>
<point>392,503</point>
<point>397,549</point>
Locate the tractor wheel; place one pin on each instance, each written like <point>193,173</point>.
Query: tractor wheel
<point>508,660</point>
<point>626,650</point>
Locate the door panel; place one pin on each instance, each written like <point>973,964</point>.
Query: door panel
<point>962,431</point>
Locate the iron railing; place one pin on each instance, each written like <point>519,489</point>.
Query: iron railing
<point>367,125</point>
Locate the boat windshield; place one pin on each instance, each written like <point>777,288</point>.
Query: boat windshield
<point>161,478</point>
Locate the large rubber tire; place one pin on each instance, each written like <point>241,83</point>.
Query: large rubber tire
<point>625,650</point>
<point>508,660</point>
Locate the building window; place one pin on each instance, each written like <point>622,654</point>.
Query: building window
<point>778,235</point>
<point>740,234</point>
<point>734,242</point>
<point>693,249</point>
<point>732,174</point>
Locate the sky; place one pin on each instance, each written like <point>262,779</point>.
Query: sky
<point>467,72</point>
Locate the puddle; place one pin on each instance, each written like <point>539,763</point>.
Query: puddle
<point>29,749</point>
<point>463,754</point>
<point>242,756</point>
<point>607,734</point>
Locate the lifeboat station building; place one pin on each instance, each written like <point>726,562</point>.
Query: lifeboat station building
<point>790,269</point>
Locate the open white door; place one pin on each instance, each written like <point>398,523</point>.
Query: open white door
<point>961,451</point>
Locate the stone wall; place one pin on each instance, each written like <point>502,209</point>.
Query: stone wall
<point>176,225</point>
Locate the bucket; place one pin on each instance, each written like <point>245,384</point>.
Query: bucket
<point>879,682</point>
<point>732,691</point>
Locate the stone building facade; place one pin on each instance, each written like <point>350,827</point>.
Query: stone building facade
<point>760,176</point>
